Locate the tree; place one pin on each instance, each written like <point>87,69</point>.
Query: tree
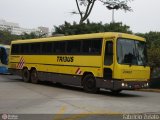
<point>89,4</point>
<point>6,37</point>
<point>32,35</point>
<point>117,27</point>
<point>116,4</point>
<point>84,28</point>
<point>152,38</point>
<point>153,45</point>
<point>154,56</point>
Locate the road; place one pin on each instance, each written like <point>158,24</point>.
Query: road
<point>25,98</point>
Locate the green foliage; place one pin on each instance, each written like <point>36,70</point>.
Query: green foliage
<point>153,44</point>
<point>6,37</point>
<point>117,4</point>
<point>32,35</point>
<point>153,38</point>
<point>84,28</point>
<point>117,27</point>
<point>154,56</point>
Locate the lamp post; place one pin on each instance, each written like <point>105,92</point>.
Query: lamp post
<point>113,16</point>
<point>116,7</point>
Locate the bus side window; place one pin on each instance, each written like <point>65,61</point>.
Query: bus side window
<point>74,47</point>
<point>108,58</point>
<point>92,46</point>
<point>59,47</point>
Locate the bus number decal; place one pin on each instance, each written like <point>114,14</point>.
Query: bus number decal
<point>65,59</point>
<point>21,63</point>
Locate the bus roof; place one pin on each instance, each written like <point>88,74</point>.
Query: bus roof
<point>82,36</point>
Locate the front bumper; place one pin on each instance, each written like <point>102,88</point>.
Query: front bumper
<point>130,85</point>
<point>121,85</point>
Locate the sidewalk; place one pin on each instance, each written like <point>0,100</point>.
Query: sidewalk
<point>150,90</point>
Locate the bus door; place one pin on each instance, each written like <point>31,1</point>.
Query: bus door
<point>108,60</point>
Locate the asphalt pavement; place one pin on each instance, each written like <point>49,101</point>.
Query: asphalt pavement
<point>19,97</point>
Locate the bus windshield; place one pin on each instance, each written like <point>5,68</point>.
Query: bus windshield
<point>131,52</point>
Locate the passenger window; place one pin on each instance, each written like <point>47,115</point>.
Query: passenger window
<point>35,48</point>
<point>74,47</point>
<point>25,48</point>
<point>15,49</point>
<point>92,46</point>
<point>59,47</point>
<point>47,48</point>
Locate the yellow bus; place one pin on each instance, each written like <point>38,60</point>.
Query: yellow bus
<point>114,61</point>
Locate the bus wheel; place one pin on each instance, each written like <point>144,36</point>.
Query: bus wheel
<point>89,84</point>
<point>25,75</point>
<point>34,76</point>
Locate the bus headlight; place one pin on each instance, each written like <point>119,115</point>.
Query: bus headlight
<point>146,85</point>
<point>124,85</point>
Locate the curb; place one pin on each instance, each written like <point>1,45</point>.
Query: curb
<point>149,90</point>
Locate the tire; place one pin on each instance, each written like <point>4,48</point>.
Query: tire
<point>89,84</point>
<point>34,76</point>
<point>26,75</point>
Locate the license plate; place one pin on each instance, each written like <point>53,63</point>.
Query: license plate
<point>137,86</point>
